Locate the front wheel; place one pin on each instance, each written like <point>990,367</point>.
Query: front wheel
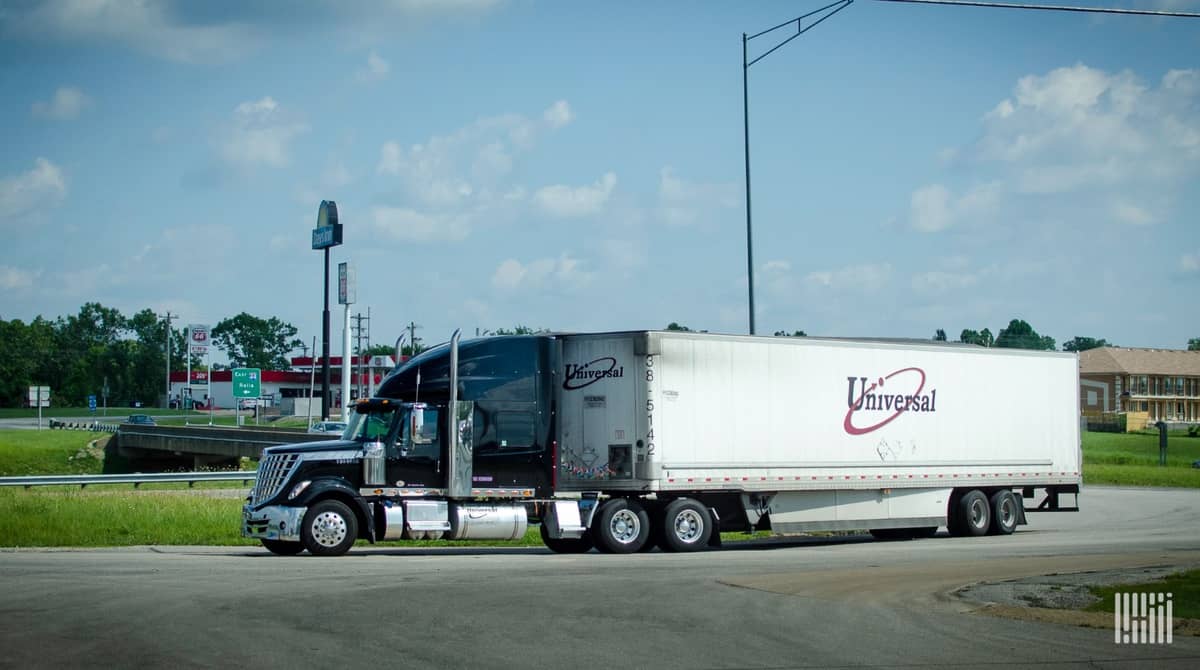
<point>621,526</point>
<point>329,529</point>
<point>282,547</point>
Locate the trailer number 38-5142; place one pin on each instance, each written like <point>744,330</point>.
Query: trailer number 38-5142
<point>649,406</point>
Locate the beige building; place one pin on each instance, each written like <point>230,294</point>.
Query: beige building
<point>1163,383</point>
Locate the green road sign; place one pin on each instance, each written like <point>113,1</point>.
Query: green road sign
<point>246,383</point>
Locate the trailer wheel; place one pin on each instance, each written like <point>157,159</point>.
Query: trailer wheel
<point>282,547</point>
<point>621,526</point>
<point>974,514</point>
<point>1004,512</point>
<point>566,545</point>
<point>686,526</point>
<point>329,529</point>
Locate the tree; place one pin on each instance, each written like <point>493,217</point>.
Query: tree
<point>676,327</point>
<point>517,330</point>
<point>1020,335</point>
<point>1194,344</point>
<point>251,342</point>
<point>796,333</point>
<point>1085,343</point>
<point>983,338</point>
<point>939,336</point>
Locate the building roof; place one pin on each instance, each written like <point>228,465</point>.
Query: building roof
<point>1140,361</point>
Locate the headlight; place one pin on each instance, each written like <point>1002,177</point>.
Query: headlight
<point>298,489</point>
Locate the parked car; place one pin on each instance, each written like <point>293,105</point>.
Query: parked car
<point>141,419</point>
<point>335,427</point>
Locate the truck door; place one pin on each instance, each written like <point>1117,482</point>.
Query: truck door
<point>415,456</point>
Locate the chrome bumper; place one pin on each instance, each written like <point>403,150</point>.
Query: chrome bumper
<point>274,522</point>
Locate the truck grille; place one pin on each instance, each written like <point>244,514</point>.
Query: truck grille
<point>273,473</point>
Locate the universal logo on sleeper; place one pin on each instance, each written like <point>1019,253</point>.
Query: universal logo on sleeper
<point>871,406</point>
<point>579,376</point>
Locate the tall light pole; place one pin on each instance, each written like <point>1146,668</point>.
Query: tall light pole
<point>328,233</point>
<point>835,7</point>
<point>828,10</point>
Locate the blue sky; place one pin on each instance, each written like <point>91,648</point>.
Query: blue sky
<point>578,166</point>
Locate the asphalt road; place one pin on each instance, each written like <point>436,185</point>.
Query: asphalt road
<point>804,604</point>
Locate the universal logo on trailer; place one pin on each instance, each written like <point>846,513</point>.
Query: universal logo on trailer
<point>579,376</point>
<point>884,408</point>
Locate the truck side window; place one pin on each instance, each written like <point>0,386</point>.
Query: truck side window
<point>514,430</point>
<point>420,436</point>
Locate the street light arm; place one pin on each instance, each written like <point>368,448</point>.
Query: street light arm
<point>1052,8</point>
<point>800,30</point>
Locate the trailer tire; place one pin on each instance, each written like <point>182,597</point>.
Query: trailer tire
<point>686,526</point>
<point>1004,512</point>
<point>329,528</point>
<point>974,514</point>
<point>566,545</point>
<point>621,526</point>
<point>282,547</point>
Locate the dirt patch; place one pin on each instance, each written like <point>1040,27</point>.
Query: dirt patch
<point>1060,598</point>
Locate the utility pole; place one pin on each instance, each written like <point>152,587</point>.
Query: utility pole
<point>361,333</point>
<point>412,338</point>
<point>167,398</point>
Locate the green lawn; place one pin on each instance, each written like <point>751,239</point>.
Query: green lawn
<point>1131,459</point>
<point>113,412</point>
<point>50,452</point>
<point>1183,587</point>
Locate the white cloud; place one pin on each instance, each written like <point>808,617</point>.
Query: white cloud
<point>376,68</point>
<point>146,26</point>
<point>473,161</point>
<point>937,282</point>
<point>408,225</point>
<point>863,278</point>
<point>934,208</point>
<point>1078,127</point>
<point>563,271</point>
<point>12,279</point>
<point>1132,214</point>
<point>576,201</point>
<point>682,203</point>
<point>1190,263</point>
<point>68,102</point>
<point>259,134</point>
<point>559,114</point>
<point>43,186</point>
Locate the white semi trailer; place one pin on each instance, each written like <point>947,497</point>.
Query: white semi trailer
<point>626,441</point>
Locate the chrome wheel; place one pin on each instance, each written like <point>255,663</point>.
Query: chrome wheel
<point>329,529</point>
<point>625,526</point>
<point>689,526</point>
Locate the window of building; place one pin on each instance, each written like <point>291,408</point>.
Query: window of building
<point>1169,386</point>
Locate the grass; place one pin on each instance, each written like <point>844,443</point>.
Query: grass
<point>1184,588</point>
<point>50,452</point>
<point>114,412</point>
<point>1131,459</point>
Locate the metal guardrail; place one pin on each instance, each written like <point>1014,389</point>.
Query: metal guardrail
<point>93,426</point>
<point>136,479</point>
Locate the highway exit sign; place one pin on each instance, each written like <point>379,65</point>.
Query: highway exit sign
<point>247,383</point>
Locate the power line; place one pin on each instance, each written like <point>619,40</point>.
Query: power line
<point>1053,8</point>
